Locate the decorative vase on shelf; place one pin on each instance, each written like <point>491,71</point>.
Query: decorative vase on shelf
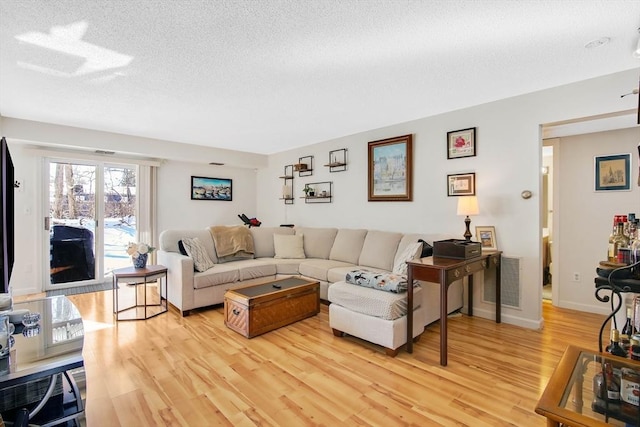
<point>141,261</point>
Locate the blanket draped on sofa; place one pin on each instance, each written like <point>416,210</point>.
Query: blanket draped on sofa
<point>232,241</point>
<point>382,281</point>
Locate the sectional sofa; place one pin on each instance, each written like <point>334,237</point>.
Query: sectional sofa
<point>325,255</point>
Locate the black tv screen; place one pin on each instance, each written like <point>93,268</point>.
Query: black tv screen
<point>6,188</point>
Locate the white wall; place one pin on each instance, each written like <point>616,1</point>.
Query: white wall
<point>175,207</point>
<point>508,161</point>
<point>585,216</point>
<point>177,210</point>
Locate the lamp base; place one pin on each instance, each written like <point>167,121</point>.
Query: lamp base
<point>467,234</point>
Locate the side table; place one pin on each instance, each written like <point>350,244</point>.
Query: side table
<point>569,398</point>
<point>152,303</point>
<point>445,271</point>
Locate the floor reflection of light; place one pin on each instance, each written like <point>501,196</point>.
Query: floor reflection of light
<point>91,326</point>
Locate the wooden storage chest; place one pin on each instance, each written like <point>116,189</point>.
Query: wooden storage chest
<point>257,309</point>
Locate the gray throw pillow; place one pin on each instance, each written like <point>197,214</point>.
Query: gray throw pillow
<point>196,250</point>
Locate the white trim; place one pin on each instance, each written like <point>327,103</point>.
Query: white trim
<point>86,155</point>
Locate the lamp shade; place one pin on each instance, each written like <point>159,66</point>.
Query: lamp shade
<point>468,205</point>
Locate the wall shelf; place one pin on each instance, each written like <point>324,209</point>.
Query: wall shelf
<point>287,186</point>
<point>337,160</point>
<point>304,167</point>
<point>322,192</point>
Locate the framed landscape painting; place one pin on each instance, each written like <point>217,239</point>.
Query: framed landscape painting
<point>203,188</point>
<point>613,173</point>
<point>390,169</point>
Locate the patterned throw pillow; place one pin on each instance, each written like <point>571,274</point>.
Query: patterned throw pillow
<point>196,250</point>
<point>409,254</point>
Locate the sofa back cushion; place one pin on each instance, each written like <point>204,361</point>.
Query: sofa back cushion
<point>263,239</point>
<point>379,249</point>
<point>348,245</point>
<point>414,237</point>
<point>317,241</point>
<point>169,241</point>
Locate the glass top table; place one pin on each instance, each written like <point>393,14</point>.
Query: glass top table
<point>47,358</point>
<point>572,397</point>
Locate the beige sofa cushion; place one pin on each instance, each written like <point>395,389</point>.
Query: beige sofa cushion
<point>319,268</point>
<point>253,269</point>
<point>372,302</point>
<point>218,275</point>
<point>263,239</point>
<point>348,245</point>
<point>287,266</point>
<point>317,241</point>
<point>379,249</point>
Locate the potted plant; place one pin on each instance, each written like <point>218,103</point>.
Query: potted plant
<point>308,191</point>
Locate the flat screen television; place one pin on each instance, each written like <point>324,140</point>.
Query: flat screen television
<point>6,189</point>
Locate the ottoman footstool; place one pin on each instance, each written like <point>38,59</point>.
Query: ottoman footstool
<point>373,315</point>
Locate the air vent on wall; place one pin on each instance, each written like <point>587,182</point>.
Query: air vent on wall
<point>105,152</point>
<point>216,164</point>
<point>509,283</point>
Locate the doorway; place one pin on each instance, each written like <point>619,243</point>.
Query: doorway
<point>92,211</point>
<point>547,218</point>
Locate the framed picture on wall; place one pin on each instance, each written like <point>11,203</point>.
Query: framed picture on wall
<point>462,184</point>
<point>461,143</point>
<point>203,188</point>
<point>613,172</point>
<point>390,169</point>
<point>486,235</point>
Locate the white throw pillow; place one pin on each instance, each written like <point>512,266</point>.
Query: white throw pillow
<point>288,246</point>
<point>196,250</point>
<point>411,252</point>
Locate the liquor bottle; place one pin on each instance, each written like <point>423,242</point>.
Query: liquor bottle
<point>628,326</point>
<point>610,254</point>
<point>605,385</point>
<point>634,349</point>
<point>614,347</point>
<point>613,387</point>
<point>619,241</point>
<point>626,332</point>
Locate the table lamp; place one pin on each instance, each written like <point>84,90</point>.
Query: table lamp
<point>468,205</point>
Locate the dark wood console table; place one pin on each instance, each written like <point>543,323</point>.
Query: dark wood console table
<point>445,271</point>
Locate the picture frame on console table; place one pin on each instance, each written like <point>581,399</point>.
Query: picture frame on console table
<point>391,169</point>
<point>613,172</point>
<point>461,184</point>
<point>461,143</point>
<point>486,235</point>
<point>203,188</point>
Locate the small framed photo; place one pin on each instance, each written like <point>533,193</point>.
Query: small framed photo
<point>462,184</point>
<point>613,173</point>
<point>203,188</point>
<point>461,143</point>
<point>486,235</point>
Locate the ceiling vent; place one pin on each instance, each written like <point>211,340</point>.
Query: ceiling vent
<point>111,153</point>
<point>216,164</point>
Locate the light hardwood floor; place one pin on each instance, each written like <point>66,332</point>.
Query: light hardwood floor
<point>193,371</point>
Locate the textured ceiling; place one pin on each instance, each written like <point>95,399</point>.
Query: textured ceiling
<point>266,76</point>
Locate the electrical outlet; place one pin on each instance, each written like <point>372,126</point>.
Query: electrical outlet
<point>576,277</point>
